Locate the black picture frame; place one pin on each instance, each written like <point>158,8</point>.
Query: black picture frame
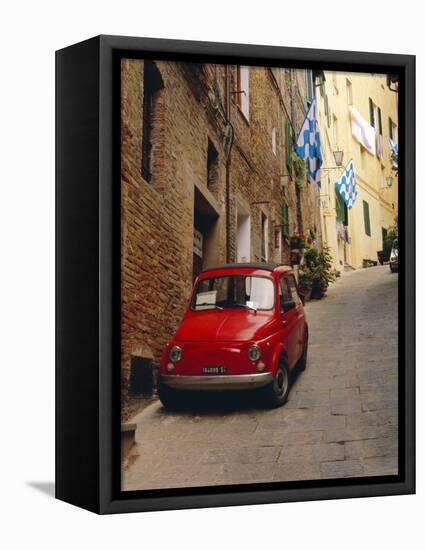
<point>88,265</point>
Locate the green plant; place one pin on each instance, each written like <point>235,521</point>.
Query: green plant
<point>391,235</point>
<point>318,266</point>
<point>305,281</point>
<point>299,171</point>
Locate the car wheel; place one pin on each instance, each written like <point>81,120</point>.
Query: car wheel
<point>392,269</point>
<point>302,364</point>
<point>171,399</point>
<point>277,392</point>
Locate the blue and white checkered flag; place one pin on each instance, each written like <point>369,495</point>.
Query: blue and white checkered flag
<point>346,185</point>
<point>308,144</point>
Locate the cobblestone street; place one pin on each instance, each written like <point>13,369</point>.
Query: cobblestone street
<point>340,419</point>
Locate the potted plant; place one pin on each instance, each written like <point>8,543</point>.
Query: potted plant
<point>305,283</point>
<point>320,265</point>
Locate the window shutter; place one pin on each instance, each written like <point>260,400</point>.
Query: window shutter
<point>371,113</point>
<point>366,218</point>
<point>390,128</point>
<point>379,121</point>
<point>340,207</point>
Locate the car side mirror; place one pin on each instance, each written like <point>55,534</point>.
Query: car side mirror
<point>287,306</point>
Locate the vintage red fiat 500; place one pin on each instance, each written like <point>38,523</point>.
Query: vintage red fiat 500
<point>244,328</point>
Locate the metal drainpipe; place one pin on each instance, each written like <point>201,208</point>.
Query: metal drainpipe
<point>228,162</point>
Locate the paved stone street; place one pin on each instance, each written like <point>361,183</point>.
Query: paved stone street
<point>340,419</point>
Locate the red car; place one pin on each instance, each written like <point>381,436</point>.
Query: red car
<point>244,328</point>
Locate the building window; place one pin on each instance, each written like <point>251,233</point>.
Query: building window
<point>264,237</point>
<point>285,218</point>
<point>274,140</point>
<point>349,92</point>
<point>243,233</point>
<point>277,234</point>
<point>327,111</point>
<point>152,88</point>
<point>391,129</point>
<point>372,112</point>
<point>366,218</point>
<point>335,81</point>
<point>242,95</point>
<point>212,166</point>
<point>379,120</point>
<point>340,208</point>
<point>309,85</point>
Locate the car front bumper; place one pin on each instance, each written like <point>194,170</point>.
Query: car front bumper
<point>217,382</point>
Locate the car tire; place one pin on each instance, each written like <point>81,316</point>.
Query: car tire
<point>170,398</point>
<point>302,363</point>
<point>392,269</point>
<point>276,393</point>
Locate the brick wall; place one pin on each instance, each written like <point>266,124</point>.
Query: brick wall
<point>158,216</point>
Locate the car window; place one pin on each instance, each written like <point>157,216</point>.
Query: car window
<point>285,292</point>
<point>293,287</point>
<point>234,292</point>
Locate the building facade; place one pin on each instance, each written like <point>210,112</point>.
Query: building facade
<point>205,179</point>
<point>356,235</point>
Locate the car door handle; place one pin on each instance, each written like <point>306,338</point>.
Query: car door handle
<point>285,322</point>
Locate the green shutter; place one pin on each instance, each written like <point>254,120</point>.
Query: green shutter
<point>340,207</point>
<point>366,218</point>
<point>379,121</point>
<point>371,113</point>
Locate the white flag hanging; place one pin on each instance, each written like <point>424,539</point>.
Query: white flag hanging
<point>362,131</point>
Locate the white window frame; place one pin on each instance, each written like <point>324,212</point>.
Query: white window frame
<point>244,90</point>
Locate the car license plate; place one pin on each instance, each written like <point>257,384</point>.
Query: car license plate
<point>214,370</point>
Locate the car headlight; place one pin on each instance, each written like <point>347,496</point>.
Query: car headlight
<point>254,353</point>
<point>175,354</point>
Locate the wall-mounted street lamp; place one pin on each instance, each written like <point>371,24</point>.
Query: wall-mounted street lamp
<point>390,180</point>
<point>338,156</point>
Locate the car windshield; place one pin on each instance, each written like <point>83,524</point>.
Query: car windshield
<point>234,292</point>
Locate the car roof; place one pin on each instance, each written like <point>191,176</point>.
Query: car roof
<point>251,265</point>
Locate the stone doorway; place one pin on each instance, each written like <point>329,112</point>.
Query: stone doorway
<point>205,233</point>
